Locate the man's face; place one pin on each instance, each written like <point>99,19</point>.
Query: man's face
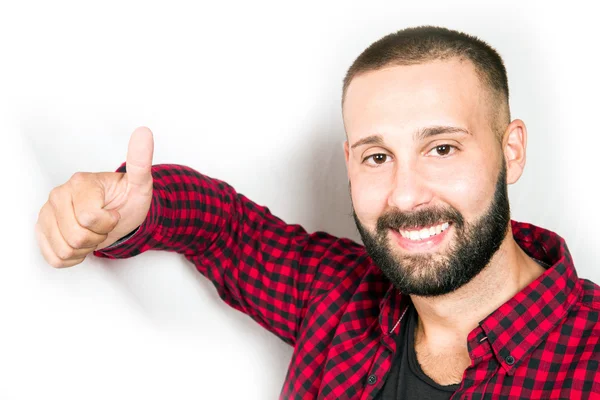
<point>427,175</point>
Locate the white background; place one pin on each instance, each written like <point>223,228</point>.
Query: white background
<point>247,92</point>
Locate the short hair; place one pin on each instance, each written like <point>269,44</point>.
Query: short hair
<point>422,44</point>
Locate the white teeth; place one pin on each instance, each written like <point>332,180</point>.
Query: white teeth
<point>424,233</point>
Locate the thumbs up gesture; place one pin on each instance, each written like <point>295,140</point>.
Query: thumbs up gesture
<point>93,210</point>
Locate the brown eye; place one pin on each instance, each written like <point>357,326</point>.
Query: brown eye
<point>379,158</point>
<point>443,150</point>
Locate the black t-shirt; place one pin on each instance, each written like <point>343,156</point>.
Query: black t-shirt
<point>406,379</point>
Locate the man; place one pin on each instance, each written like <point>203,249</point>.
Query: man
<point>449,298</point>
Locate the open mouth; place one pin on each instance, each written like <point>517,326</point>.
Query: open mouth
<point>421,234</point>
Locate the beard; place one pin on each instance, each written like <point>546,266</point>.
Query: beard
<point>435,274</point>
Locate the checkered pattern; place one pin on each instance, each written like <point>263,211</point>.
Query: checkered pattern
<point>324,296</point>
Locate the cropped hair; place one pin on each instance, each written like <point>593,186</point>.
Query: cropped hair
<point>429,43</point>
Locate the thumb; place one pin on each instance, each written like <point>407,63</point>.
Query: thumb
<point>139,157</point>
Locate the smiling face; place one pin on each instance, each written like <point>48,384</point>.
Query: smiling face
<point>427,173</point>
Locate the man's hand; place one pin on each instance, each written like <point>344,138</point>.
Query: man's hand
<point>94,210</point>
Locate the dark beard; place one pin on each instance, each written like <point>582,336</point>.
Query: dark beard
<point>436,274</point>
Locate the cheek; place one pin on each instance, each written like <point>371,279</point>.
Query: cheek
<point>467,187</point>
<point>369,197</point>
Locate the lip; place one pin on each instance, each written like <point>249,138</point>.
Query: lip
<point>428,244</point>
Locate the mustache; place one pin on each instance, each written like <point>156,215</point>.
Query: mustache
<point>395,219</point>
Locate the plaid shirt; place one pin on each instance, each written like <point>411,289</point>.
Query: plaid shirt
<point>324,296</point>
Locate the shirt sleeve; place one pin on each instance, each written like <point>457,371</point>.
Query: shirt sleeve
<point>258,264</point>
<point>124,238</point>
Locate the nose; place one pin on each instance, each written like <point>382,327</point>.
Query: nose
<point>410,191</point>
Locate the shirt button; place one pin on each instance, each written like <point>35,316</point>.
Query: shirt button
<point>510,360</point>
<point>372,379</point>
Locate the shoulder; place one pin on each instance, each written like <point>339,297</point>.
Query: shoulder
<point>342,262</point>
<point>576,342</point>
<point>590,295</point>
<point>583,319</point>
<point>581,327</point>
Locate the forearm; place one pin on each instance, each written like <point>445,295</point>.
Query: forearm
<point>259,264</point>
<point>187,212</point>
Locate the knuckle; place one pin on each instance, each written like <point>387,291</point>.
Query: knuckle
<point>87,218</point>
<point>44,218</point>
<point>39,237</point>
<point>54,196</point>
<point>76,242</point>
<point>79,240</point>
<point>64,253</point>
<point>55,262</point>
<point>79,176</point>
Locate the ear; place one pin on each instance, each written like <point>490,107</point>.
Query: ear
<point>347,158</point>
<point>346,152</point>
<point>514,145</point>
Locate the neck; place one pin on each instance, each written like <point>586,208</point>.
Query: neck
<point>448,319</point>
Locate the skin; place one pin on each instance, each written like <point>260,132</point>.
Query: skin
<point>404,171</point>
<point>93,210</point>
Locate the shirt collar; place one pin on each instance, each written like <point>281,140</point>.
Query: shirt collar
<point>393,306</point>
<point>518,326</point>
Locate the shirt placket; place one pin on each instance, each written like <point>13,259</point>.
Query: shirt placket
<point>393,310</point>
<point>483,366</point>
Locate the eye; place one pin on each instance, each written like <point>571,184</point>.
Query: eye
<point>442,150</point>
<point>377,159</point>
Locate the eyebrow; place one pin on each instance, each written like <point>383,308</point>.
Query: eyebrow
<point>419,135</point>
<point>373,139</point>
<point>438,130</point>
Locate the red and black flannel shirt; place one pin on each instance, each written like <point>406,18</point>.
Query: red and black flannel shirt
<point>324,296</point>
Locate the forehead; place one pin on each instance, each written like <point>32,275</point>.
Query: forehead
<point>399,99</point>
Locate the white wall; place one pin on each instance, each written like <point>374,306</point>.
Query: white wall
<point>247,92</point>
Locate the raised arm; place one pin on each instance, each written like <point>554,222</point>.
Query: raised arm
<point>259,264</point>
